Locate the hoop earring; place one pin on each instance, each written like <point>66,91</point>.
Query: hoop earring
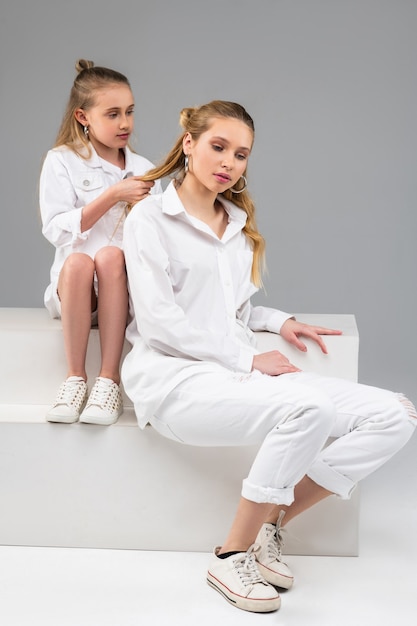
<point>245,184</point>
<point>186,159</point>
<point>86,131</point>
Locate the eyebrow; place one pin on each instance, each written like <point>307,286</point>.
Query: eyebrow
<point>119,108</point>
<point>219,138</point>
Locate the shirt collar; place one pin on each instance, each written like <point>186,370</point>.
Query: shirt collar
<point>94,161</point>
<point>172,205</point>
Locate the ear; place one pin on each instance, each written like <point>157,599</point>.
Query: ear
<point>186,143</point>
<point>80,116</point>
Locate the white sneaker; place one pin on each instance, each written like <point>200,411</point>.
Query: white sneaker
<point>269,557</point>
<point>237,578</point>
<point>104,405</point>
<point>69,402</point>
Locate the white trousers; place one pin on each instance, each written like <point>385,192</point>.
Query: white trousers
<point>292,417</point>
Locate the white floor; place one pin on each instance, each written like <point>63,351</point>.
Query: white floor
<point>70,587</point>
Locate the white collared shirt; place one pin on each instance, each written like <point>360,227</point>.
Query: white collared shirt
<point>190,299</point>
<point>69,182</point>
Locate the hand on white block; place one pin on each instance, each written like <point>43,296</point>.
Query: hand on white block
<point>291,330</point>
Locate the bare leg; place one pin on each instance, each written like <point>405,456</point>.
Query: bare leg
<point>75,289</point>
<point>251,515</point>
<point>248,519</point>
<point>112,309</point>
<point>306,494</point>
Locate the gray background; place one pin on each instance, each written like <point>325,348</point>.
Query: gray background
<point>332,88</point>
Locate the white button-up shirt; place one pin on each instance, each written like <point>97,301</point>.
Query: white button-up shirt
<point>190,299</point>
<point>69,182</point>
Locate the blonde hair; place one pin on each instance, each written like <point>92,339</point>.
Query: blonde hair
<point>88,81</point>
<point>196,121</point>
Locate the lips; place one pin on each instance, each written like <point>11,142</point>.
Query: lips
<point>222,178</point>
<point>124,136</point>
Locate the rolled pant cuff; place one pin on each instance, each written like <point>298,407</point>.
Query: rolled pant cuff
<point>258,494</point>
<point>327,477</point>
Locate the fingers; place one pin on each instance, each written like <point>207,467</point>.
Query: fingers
<point>311,333</point>
<point>147,183</point>
<point>287,368</point>
<point>292,368</point>
<point>321,343</point>
<point>320,330</point>
<point>317,331</point>
<point>138,186</point>
<point>138,191</point>
<point>314,333</point>
<point>145,188</point>
<point>298,343</point>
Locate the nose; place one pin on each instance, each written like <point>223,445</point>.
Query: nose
<point>124,122</point>
<point>226,162</point>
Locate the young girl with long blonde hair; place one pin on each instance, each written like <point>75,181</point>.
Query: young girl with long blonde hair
<point>88,182</point>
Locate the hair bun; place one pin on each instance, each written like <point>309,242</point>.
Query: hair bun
<point>185,116</point>
<point>83,64</point>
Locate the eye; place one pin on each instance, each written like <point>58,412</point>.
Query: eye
<point>112,115</point>
<point>131,112</point>
<point>241,156</point>
<point>217,147</point>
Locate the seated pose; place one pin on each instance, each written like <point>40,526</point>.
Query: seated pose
<point>194,259</point>
<point>88,182</point>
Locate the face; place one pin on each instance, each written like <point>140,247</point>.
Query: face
<point>218,158</point>
<point>110,120</point>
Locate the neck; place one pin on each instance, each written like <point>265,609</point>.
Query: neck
<point>197,199</point>
<point>115,156</point>
<point>202,203</point>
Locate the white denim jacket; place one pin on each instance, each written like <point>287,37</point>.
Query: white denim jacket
<point>69,182</point>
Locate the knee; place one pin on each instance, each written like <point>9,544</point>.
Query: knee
<point>110,263</point>
<point>77,267</point>
<point>392,424</point>
<point>317,412</point>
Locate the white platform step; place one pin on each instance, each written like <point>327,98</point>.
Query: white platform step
<point>120,487</point>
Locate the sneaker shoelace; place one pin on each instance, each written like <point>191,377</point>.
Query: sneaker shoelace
<point>275,540</point>
<point>104,395</point>
<point>247,569</point>
<point>71,393</point>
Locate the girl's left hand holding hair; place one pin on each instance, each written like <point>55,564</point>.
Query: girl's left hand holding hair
<point>130,190</point>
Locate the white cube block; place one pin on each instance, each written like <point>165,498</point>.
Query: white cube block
<point>120,487</point>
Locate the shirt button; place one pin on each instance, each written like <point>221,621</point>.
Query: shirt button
<point>86,183</point>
